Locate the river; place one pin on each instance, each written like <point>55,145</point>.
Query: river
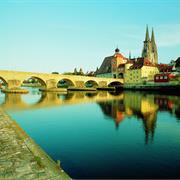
<point>103,135</point>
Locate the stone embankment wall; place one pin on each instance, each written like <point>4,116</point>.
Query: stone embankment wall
<point>21,157</point>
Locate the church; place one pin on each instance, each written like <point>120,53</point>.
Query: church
<point>116,66</point>
<point>150,49</point>
<point>111,64</point>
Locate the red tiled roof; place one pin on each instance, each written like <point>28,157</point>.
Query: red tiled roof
<point>130,61</point>
<point>119,55</point>
<point>140,62</point>
<point>164,67</point>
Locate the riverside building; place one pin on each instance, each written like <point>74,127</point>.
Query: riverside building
<point>134,71</point>
<point>112,66</point>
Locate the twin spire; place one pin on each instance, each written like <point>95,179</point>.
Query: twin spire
<point>147,35</point>
<point>150,49</point>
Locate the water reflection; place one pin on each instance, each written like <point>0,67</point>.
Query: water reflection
<point>19,102</point>
<point>110,131</point>
<point>143,106</point>
<point>115,106</point>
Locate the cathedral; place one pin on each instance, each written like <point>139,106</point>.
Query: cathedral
<point>150,49</point>
<point>114,66</point>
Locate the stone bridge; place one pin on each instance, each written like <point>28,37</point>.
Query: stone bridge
<point>14,79</point>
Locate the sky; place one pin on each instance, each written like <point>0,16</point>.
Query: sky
<point>60,35</point>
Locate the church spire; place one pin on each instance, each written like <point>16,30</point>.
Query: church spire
<point>129,54</point>
<point>152,36</point>
<point>150,48</point>
<point>147,34</point>
<point>154,48</point>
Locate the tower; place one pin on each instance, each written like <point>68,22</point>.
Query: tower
<point>150,49</point>
<point>129,55</point>
<point>154,49</point>
<point>117,60</point>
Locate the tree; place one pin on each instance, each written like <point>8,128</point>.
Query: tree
<point>81,71</point>
<point>75,71</point>
<point>55,73</point>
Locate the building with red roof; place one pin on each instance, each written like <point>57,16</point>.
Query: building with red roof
<point>110,65</point>
<point>165,68</point>
<point>141,71</point>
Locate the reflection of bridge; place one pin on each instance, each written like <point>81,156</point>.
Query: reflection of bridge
<point>14,79</point>
<point>15,102</point>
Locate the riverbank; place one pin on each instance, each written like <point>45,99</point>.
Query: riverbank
<point>163,87</point>
<point>21,157</point>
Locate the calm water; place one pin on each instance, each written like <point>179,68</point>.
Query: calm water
<point>103,135</point>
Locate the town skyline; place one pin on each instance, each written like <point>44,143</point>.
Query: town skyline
<point>61,36</point>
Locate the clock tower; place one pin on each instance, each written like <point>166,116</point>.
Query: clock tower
<point>117,60</point>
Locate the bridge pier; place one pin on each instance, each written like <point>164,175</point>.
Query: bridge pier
<point>51,86</point>
<point>104,86</point>
<point>14,86</point>
<point>80,86</point>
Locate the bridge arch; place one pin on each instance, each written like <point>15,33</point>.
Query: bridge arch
<point>31,98</point>
<point>65,83</point>
<point>34,80</point>
<point>3,83</point>
<point>115,84</point>
<point>47,98</point>
<point>91,83</point>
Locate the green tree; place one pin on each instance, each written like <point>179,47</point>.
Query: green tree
<point>81,71</point>
<point>75,71</point>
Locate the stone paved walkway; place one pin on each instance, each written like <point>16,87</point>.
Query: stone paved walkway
<point>21,158</point>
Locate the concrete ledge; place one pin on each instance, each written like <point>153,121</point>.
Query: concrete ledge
<point>81,89</point>
<point>153,88</point>
<point>53,90</point>
<point>19,91</point>
<point>106,88</point>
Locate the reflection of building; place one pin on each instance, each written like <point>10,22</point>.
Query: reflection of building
<point>164,103</point>
<point>149,114</point>
<point>133,104</point>
<point>143,107</point>
<point>114,109</point>
<point>170,104</point>
<point>110,66</point>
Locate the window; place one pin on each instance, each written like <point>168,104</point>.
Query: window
<point>165,77</point>
<point>161,77</point>
<point>157,77</point>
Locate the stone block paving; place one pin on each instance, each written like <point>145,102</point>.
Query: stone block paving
<point>21,158</point>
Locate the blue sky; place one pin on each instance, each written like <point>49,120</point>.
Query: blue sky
<point>59,35</point>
